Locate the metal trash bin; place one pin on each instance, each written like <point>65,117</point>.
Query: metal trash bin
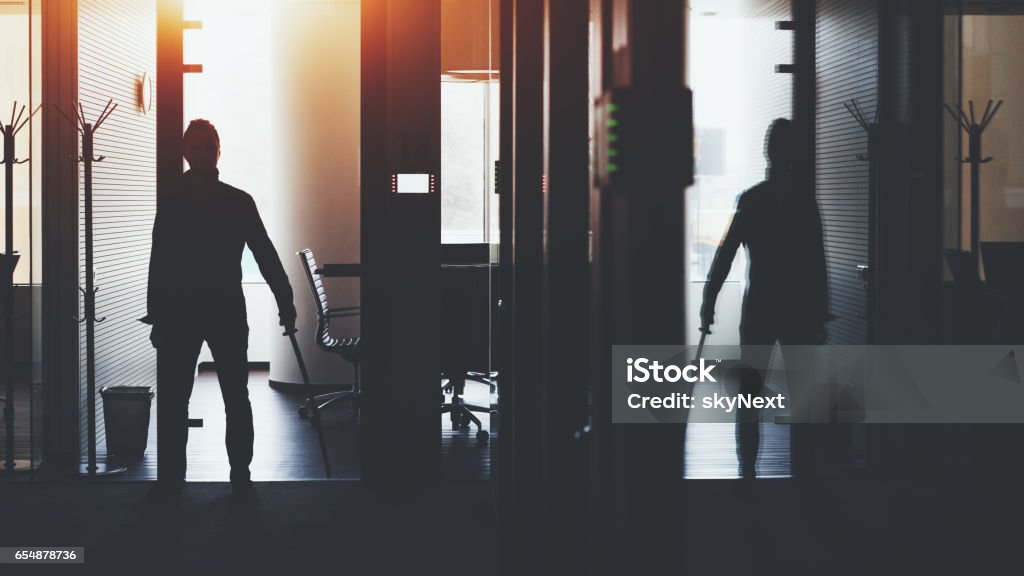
<point>126,417</point>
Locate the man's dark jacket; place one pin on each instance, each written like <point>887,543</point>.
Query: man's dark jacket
<point>195,268</point>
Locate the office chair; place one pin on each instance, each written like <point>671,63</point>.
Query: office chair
<point>347,348</point>
<point>466,306</point>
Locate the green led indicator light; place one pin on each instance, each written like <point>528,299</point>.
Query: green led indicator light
<point>613,107</point>
<point>612,122</point>
<point>613,152</point>
<point>613,137</point>
<point>613,167</point>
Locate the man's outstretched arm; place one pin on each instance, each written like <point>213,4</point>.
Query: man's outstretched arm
<point>270,265</point>
<point>721,264</point>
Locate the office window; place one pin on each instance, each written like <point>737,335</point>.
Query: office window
<point>469,147</point>
<point>469,121</point>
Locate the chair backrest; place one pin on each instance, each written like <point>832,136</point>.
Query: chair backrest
<point>316,285</point>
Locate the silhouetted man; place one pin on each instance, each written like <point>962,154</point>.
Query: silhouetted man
<point>195,295</point>
<point>786,299</point>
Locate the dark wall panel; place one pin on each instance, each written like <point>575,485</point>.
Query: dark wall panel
<point>117,45</point>
<point>846,68</point>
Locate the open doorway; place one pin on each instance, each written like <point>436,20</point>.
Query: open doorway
<point>470,89</point>
<point>281,81</point>
<point>734,49</point>
<point>746,72</point>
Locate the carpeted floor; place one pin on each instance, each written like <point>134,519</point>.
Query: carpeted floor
<point>910,525</point>
<point>293,528</point>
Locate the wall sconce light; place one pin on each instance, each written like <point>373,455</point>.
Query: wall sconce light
<point>144,93</point>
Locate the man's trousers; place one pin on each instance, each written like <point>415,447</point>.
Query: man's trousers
<point>178,346</point>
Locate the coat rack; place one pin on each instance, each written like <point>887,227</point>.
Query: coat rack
<point>974,130</point>
<point>864,272</point>
<point>10,261</point>
<point>91,468</point>
<point>870,127</point>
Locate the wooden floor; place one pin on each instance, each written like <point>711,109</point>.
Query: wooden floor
<point>23,422</point>
<point>286,446</point>
<point>710,447</point>
<point>710,451</point>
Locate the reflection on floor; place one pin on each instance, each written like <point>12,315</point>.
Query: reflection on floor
<point>286,446</point>
<point>462,457</point>
<point>710,447</point>
<point>710,451</point>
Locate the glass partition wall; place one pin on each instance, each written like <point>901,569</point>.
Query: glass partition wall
<point>281,81</point>
<point>21,380</point>
<point>469,232</point>
<point>991,70</point>
<point>984,200</point>
<point>737,92</point>
<point>116,207</point>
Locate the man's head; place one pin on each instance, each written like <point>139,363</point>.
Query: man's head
<point>201,146</point>
<point>779,143</point>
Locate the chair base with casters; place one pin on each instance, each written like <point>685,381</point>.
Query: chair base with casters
<point>325,400</point>
<point>462,416</point>
<point>328,398</point>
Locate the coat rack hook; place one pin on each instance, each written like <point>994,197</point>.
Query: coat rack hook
<point>989,118</point>
<point>26,120</point>
<point>16,121</point>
